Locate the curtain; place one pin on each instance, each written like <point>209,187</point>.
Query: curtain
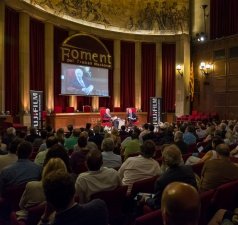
<point>59,36</point>
<point>127,89</point>
<point>37,56</point>
<point>148,73</point>
<point>223,18</point>
<point>168,77</point>
<point>11,45</point>
<point>108,101</point>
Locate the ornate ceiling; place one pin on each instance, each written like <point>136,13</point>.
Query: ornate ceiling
<point>160,17</point>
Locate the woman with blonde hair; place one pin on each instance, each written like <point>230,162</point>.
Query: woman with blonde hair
<point>34,194</point>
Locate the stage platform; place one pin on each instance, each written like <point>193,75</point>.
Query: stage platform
<point>61,120</point>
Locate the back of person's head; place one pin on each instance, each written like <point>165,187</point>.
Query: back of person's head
<point>88,126</point>
<point>190,128</point>
<point>216,141</point>
<point>32,130</point>
<point>70,127</point>
<point>84,134</point>
<point>59,189</point>
<point>172,156</point>
<point>91,146</point>
<point>148,149</point>
<point>50,141</point>
<point>151,127</point>
<point>223,150</point>
<point>14,144</point>
<point>94,160</point>
<point>52,165</point>
<point>82,141</point>
<point>178,136</point>
<point>43,134</point>
<point>58,151</point>
<point>96,129</point>
<point>11,131</point>
<point>49,128</point>
<point>76,132</point>
<point>24,150</point>
<point>146,126</point>
<point>107,145</point>
<point>123,127</point>
<point>180,204</point>
<point>115,131</point>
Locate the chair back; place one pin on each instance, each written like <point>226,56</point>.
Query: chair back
<point>115,200</point>
<point>58,109</point>
<point>152,218</point>
<point>197,168</point>
<point>35,213</point>
<point>87,108</point>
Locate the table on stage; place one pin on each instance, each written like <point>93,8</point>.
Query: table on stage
<point>61,120</point>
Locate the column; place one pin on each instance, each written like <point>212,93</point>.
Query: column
<point>138,75</point>
<point>24,67</point>
<point>158,76</point>
<point>49,67</point>
<point>182,82</point>
<point>2,57</point>
<point>117,72</point>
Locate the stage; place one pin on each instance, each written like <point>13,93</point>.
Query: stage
<point>61,120</point>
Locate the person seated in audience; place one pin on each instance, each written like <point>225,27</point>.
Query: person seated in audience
<point>224,217</point>
<point>60,136</point>
<point>151,135</point>
<point>32,136</point>
<point>23,170</point>
<point>131,117</point>
<point>70,128</point>
<point>40,157</point>
<point>33,193</point>
<point>172,157</point>
<point>201,131</point>
<point>178,141</point>
<point>140,167</point>
<point>11,157</point>
<point>110,159</point>
<point>116,139</point>
<point>9,136</point>
<point>97,137</point>
<point>211,154</point>
<point>59,191</point>
<point>70,142</point>
<point>144,131</point>
<point>88,129</point>
<point>97,179</point>
<point>188,136</point>
<point>218,171</point>
<point>234,152</point>
<point>132,146</point>
<point>180,204</point>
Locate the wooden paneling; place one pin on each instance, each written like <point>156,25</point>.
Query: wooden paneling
<point>219,85</point>
<point>232,99</point>
<point>232,83</point>
<point>219,68</point>
<point>232,67</point>
<point>220,99</point>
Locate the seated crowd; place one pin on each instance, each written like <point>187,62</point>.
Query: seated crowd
<point>63,170</point>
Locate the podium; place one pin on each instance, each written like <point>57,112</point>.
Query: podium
<point>155,110</point>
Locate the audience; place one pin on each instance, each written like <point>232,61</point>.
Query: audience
<point>70,142</point>
<point>110,159</point>
<point>188,136</point>
<point>180,204</point>
<point>172,157</point>
<point>59,192</point>
<point>70,128</point>
<point>97,179</point>
<point>34,194</point>
<point>140,167</point>
<point>218,171</point>
<point>32,136</point>
<point>178,141</point>
<point>23,170</point>
<point>9,136</point>
<point>97,137</point>
<point>144,131</point>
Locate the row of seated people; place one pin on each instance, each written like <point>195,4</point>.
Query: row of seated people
<point>180,172</point>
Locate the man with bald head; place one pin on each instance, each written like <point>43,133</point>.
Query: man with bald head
<point>180,204</point>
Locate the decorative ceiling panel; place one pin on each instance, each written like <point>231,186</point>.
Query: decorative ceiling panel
<point>131,16</point>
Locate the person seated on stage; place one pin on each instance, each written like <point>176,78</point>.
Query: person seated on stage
<point>107,117</point>
<point>131,116</point>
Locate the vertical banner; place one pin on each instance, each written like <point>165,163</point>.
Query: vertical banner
<point>155,110</point>
<point>36,108</point>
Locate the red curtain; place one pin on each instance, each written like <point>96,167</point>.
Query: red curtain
<point>148,73</point>
<point>59,36</point>
<point>37,55</point>
<point>11,61</point>
<point>127,95</point>
<point>108,101</point>
<point>223,18</point>
<point>168,77</point>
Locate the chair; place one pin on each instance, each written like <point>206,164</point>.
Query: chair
<point>35,213</point>
<point>104,121</point>
<point>134,123</point>
<point>58,109</point>
<point>114,200</point>
<point>152,218</point>
<point>70,109</point>
<point>226,196</point>
<point>197,168</point>
<point>87,108</point>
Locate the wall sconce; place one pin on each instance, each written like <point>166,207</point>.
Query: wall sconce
<point>205,68</point>
<point>179,68</point>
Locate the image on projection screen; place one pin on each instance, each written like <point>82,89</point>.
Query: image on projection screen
<point>83,80</point>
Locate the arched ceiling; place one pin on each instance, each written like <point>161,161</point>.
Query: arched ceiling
<point>156,17</point>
